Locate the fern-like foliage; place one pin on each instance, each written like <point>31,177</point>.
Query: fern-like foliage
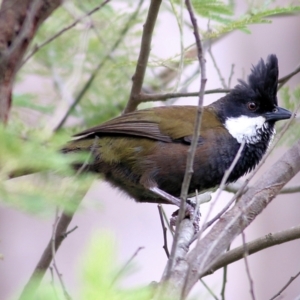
<point>291,100</point>
<point>255,16</point>
<point>214,10</point>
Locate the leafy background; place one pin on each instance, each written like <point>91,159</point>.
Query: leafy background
<point>239,32</point>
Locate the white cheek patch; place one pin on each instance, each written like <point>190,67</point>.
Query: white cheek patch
<point>244,128</point>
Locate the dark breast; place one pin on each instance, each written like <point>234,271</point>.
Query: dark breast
<point>211,162</point>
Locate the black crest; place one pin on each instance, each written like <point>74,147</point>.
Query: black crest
<point>263,81</point>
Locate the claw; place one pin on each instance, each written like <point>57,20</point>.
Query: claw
<point>190,213</point>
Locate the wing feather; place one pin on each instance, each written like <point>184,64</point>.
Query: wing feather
<point>164,124</point>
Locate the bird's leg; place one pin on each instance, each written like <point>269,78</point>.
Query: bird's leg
<point>169,198</point>
<point>190,207</point>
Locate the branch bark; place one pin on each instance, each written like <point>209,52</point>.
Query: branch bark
<point>257,245</point>
<point>138,77</point>
<point>19,22</point>
<point>46,258</point>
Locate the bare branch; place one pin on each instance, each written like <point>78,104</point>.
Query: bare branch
<point>46,258</point>
<point>269,240</point>
<point>184,228</point>
<point>66,294</point>
<point>285,286</point>
<point>98,68</point>
<point>65,29</point>
<point>246,253</point>
<point>186,232</point>
<point>234,187</point>
<point>216,66</point>
<point>164,228</point>
<point>70,231</point>
<point>121,271</point>
<point>283,80</point>
<point>55,241</point>
<point>221,188</point>
<point>162,97</point>
<point>224,281</point>
<point>138,77</point>
<point>192,150</point>
<point>230,76</point>
<point>209,289</point>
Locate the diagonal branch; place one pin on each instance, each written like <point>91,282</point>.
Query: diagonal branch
<point>269,240</point>
<point>176,253</point>
<point>283,80</point>
<point>139,75</point>
<point>161,97</point>
<point>55,36</point>
<point>93,75</point>
<point>207,251</point>
<point>46,258</point>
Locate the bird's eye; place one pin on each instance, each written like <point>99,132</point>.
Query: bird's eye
<point>252,106</point>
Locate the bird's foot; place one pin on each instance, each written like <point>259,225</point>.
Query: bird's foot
<point>191,212</point>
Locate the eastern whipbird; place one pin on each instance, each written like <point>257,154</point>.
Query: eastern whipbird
<point>144,153</point>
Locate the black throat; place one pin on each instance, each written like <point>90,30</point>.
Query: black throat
<point>251,154</point>
<point>224,156</point>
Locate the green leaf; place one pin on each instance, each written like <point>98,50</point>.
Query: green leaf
<point>100,273</point>
<point>291,100</point>
<point>55,184</point>
<point>212,8</point>
<point>254,17</point>
<point>28,101</point>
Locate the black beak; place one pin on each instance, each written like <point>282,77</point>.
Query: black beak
<point>277,114</point>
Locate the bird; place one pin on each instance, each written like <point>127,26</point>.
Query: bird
<point>144,153</point>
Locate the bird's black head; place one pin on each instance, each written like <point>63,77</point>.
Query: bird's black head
<point>251,109</point>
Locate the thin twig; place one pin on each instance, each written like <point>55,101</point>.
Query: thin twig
<point>164,228</point>
<point>227,173</point>
<point>216,66</point>
<point>179,20</point>
<point>231,75</point>
<point>209,290</point>
<point>66,294</point>
<point>221,188</point>
<point>285,286</point>
<point>138,77</point>
<point>121,271</point>
<point>69,232</point>
<point>224,281</point>
<point>52,283</point>
<point>166,220</point>
<point>98,67</point>
<point>234,187</point>
<point>194,143</point>
<point>162,97</point>
<point>247,266</point>
<point>283,80</point>
<point>60,233</point>
<point>55,36</point>
<point>192,150</point>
